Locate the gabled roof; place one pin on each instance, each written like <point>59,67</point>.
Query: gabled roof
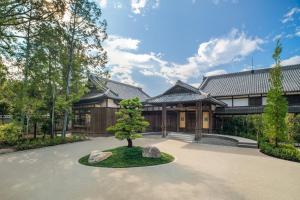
<point>106,88</point>
<point>182,92</point>
<point>250,82</point>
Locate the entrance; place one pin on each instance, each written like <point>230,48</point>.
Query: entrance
<point>205,120</point>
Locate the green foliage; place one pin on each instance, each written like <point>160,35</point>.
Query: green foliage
<point>130,121</point>
<point>283,151</point>
<point>10,133</point>
<point>123,157</point>
<point>276,109</point>
<point>53,57</point>
<point>248,126</point>
<point>43,142</point>
<point>293,127</point>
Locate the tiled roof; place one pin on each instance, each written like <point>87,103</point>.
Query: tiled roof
<point>249,110</point>
<point>113,89</point>
<point>188,94</point>
<point>250,82</point>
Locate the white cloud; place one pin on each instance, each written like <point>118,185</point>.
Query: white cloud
<point>138,5</point>
<point>216,72</point>
<point>277,37</point>
<point>289,16</point>
<point>224,50</point>
<point>217,2</point>
<point>124,58</point>
<point>120,43</point>
<point>103,3</point>
<point>291,61</point>
<point>196,85</point>
<point>117,5</point>
<point>297,33</point>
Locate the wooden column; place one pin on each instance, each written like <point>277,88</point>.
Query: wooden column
<point>178,120</point>
<point>198,128</point>
<point>210,119</point>
<point>164,121</point>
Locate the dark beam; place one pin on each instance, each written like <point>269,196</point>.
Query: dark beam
<point>198,128</point>
<point>164,121</point>
<point>210,119</point>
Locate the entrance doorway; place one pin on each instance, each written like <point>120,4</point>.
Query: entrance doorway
<point>205,120</point>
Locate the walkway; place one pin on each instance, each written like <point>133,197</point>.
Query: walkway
<point>199,172</point>
<point>216,139</point>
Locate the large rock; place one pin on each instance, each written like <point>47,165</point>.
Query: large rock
<point>97,156</point>
<point>151,152</point>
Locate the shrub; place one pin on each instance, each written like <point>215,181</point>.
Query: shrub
<point>130,121</point>
<point>243,126</point>
<point>43,142</point>
<point>293,127</point>
<point>10,133</point>
<point>283,151</point>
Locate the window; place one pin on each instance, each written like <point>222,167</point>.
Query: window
<point>240,102</point>
<point>255,101</point>
<point>227,101</point>
<point>293,99</point>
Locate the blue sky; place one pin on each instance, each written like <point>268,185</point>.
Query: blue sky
<point>153,43</point>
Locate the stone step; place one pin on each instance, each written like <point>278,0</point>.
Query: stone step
<point>182,137</point>
<point>247,145</point>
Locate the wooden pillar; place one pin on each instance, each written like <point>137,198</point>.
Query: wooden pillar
<point>210,119</point>
<point>178,120</point>
<point>164,121</point>
<point>198,128</point>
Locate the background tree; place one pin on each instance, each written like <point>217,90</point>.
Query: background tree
<point>275,110</point>
<point>130,121</point>
<point>85,32</point>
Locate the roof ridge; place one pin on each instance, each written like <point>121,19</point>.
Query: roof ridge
<point>285,67</point>
<point>118,82</point>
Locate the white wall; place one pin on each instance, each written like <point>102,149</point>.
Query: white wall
<point>240,102</point>
<point>111,103</point>
<point>264,101</point>
<point>227,101</point>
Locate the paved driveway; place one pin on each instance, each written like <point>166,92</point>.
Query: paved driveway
<point>200,171</point>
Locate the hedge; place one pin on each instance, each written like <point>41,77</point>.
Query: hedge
<point>43,142</point>
<point>283,151</point>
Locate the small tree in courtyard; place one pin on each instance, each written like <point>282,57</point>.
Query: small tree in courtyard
<point>276,109</point>
<point>130,121</point>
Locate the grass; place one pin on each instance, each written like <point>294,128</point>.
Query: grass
<point>124,157</point>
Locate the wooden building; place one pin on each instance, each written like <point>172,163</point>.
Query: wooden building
<point>184,108</point>
<point>95,111</point>
<point>245,92</point>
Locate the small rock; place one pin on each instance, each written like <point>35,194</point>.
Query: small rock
<point>97,156</point>
<point>151,152</point>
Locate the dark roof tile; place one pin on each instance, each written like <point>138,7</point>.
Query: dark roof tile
<point>250,82</point>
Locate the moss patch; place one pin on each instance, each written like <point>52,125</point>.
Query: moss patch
<point>124,157</point>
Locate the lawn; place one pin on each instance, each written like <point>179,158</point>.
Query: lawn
<point>124,157</point>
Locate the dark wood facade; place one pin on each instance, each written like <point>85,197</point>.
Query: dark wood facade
<point>93,120</point>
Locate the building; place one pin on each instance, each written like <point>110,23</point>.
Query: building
<point>218,97</point>
<point>95,111</point>
<point>184,108</point>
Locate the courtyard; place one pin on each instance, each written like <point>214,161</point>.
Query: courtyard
<point>200,171</point>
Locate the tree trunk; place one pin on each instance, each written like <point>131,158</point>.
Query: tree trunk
<point>129,142</point>
<point>69,69</point>
<point>27,124</point>
<point>52,117</point>
<point>26,69</point>
<point>34,130</point>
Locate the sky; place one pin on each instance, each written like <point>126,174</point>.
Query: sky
<point>154,43</point>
